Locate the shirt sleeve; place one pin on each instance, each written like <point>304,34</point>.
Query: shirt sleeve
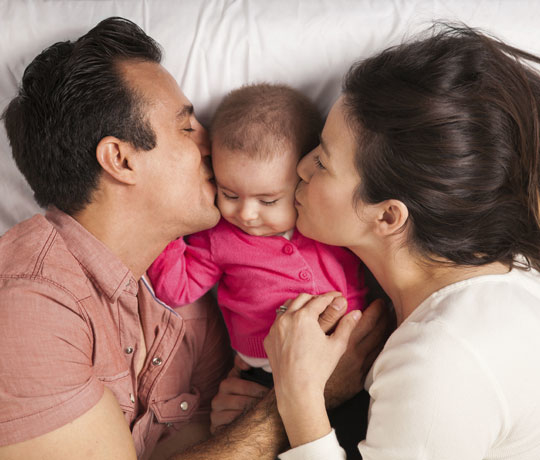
<point>46,374</point>
<point>432,398</point>
<point>182,273</point>
<point>325,448</point>
<point>354,275</point>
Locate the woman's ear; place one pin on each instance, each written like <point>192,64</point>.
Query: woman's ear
<point>392,217</point>
<point>117,158</point>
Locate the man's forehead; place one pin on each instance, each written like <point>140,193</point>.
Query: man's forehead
<point>156,85</point>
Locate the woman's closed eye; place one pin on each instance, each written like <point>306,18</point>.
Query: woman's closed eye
<point>317,160</point>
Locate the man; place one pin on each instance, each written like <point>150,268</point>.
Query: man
<point>92,366</point>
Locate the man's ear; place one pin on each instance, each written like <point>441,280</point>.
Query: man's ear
<point>116,157</point>
<point>391,217</point>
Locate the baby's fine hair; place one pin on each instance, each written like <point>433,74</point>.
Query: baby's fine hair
<point>263,119</point>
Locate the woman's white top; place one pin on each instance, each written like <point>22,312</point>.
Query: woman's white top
<point>459,378</point>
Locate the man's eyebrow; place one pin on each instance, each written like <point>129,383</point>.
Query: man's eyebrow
<point>185,111</point>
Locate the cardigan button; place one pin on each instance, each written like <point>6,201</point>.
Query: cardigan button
<point>304,275</point>
<point>288,249</point>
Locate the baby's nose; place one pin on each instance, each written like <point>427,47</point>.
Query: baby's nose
<point>248,213</point>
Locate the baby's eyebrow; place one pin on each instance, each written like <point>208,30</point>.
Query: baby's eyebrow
<point>271,194</point>
<point>268,194</point>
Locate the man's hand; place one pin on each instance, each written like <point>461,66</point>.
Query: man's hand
<point>235,397</point>
<point>365,344</point>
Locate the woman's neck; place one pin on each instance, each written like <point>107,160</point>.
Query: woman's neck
<point>409,280</point>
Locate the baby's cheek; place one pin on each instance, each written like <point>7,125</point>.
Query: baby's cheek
<point>289,217</point>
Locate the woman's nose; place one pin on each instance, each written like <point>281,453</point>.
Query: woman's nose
<point>303,169</point>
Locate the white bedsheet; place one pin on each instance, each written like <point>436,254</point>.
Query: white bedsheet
<point>212,46</point>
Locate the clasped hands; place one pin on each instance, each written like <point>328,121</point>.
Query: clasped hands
<point>313,344</point>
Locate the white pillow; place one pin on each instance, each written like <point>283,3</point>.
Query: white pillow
<point>213,46</point>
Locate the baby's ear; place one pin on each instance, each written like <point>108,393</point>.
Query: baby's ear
<point>117,158</point>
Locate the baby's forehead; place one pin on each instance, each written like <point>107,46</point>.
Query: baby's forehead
<point>247,174</point>
<point>265,150</point>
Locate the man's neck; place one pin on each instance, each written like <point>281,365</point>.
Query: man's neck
<point>126,233</point>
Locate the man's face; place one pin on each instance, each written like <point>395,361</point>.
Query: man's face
<point>174,177</point>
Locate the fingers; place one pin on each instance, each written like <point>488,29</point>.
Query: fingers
<point>239,387</point>
<point>299,302</point>
<point>371,316</point>
<point>232,403</point>
<point>345,327</point>
<point>332,314</point>
<point>240,364</point>
<point>314,303</point>
<point>235,397</point>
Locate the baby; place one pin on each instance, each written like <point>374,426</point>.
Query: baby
<point>259,133</point>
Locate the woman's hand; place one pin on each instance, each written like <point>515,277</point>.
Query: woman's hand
<point>303,357</point>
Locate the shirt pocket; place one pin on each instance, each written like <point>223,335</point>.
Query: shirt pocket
<point>178,409</point>
<point>122,388</point>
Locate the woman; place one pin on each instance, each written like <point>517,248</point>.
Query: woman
<point>428,170</point>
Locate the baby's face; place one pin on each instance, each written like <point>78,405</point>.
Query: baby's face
<point>256,195</point>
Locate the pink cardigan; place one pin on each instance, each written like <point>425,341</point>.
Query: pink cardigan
<point>256,275</point>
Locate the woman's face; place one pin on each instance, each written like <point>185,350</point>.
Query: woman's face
<point>324,197</point>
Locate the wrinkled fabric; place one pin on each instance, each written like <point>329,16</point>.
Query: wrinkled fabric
<point>73,320</point>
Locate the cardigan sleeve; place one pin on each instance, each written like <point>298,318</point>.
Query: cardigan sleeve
<point>182,273</point>
<point>354,276</point>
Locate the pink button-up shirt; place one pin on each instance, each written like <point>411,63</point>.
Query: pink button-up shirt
<point>73,320</point>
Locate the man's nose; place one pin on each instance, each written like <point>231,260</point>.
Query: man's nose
<point>202,140</point>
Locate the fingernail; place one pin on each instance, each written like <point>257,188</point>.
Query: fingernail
<point>356,315</point>
<point>338,304</point>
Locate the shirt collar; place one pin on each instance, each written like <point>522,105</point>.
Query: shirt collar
<point>105,269</point>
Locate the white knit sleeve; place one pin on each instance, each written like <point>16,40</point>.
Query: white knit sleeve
<point>325,448</point>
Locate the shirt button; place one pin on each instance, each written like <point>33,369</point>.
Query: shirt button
<point>128,350</point>
<point>288,249</point>
<point>157,361</point>
<point>304,275</point>
<point>184,405</point>
<point>168,424</point>
<point>131,397</point>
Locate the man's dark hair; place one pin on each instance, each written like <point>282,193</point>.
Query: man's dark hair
<point>71,96</point>
<point>450,126</point>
